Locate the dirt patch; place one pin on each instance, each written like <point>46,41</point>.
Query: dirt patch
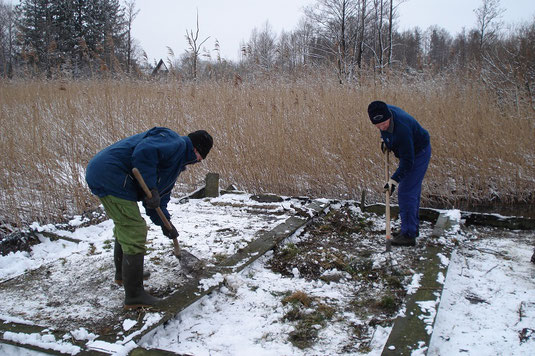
<point>17,241</point>
<point>346,246</point>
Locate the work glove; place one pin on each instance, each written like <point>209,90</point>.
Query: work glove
<point>390,186</point>
<point>172,234</point>
<point>154,201</point>
<point>384,147</point>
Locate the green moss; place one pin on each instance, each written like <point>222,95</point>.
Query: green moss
<point>394,282</point>
<point>289,251</point>
<point>387,303</point>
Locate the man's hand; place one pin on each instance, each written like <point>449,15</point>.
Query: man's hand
<point>172,234</point>
<point>390,186</point>
<point>384,147</point>
<point>154,201</point>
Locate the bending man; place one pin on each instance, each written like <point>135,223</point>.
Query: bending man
<point>160,155</point>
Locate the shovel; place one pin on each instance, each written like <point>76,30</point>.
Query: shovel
<point>188,262</point>
<point>387,211</point>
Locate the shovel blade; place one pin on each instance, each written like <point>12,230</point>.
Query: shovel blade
<point>189,263</point>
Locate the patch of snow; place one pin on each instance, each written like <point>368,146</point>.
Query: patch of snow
<point>6,349</point>
<point>83,334</point>
<point>77,221</point>
<point>454,215</point>
<point>10,319</point>
<point>116,349</point>
<point>207,283</point>
<point>128,323</point>
<point>17,263</point>
<point>440,278</point>
<point>428,308</point>
<point>443,259</point>
<point>46,341</point>
<point>415,283</point>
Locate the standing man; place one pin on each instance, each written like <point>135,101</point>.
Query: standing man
<point>160,155</point>
<point>409,141</point>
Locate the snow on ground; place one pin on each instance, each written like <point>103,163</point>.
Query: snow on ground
<point>208,229</point>
<point>246,318</point>
<point>487,308</point>
<point>488,303</point>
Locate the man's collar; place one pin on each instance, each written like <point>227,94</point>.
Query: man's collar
<point>391,126</point>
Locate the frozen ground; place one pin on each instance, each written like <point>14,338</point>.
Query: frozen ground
<point>487,308</point>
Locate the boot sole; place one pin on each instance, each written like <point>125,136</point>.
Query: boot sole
<point>137,306</point>
<point>403,243</point>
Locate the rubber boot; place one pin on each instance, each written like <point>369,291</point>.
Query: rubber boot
<point>135,295</point>
<point>397,232</point>
<point>118,261</point>
<point>403,240</point>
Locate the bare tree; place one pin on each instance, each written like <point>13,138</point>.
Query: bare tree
<point>508,68</point>
<point>130,15</point>
<point>194,47</point>
<point>7,38</point>
<point>335,19</point>
<point>392,15</point>
<point>363,13</point>
<point>261,49</point>
<point>301,39</point>
<point>488,15</point>
<point>439,47</point>
<point>409,48</point>
<point>378,30</point>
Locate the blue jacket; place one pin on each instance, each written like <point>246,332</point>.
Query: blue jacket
<point>160,154</point>
<point>407,140</point>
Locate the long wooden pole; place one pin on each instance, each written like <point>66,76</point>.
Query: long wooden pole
<point>387,212</point>
<point>159,211</point>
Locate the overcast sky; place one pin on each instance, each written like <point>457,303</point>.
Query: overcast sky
<point>163,23</point>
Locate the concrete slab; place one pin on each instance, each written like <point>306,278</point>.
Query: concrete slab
<point>413,330</point>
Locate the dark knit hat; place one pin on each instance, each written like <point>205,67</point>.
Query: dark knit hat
<point>202,141</point>
<point>378,112</point>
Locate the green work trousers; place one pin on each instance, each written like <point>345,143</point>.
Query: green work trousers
<point>130,228</point>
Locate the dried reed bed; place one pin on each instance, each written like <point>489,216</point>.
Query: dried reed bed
<point>301,138</point>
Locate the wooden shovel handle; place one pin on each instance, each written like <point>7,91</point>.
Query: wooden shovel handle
<point>159,211</point>
<point>387,208</point>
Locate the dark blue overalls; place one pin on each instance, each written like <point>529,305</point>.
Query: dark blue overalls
<point>410,143</point>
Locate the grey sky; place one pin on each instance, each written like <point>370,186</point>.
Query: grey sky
<point>163,23</point>
<point>453,15</point>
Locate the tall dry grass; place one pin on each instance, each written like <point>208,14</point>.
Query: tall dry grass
<point>302,138</point>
